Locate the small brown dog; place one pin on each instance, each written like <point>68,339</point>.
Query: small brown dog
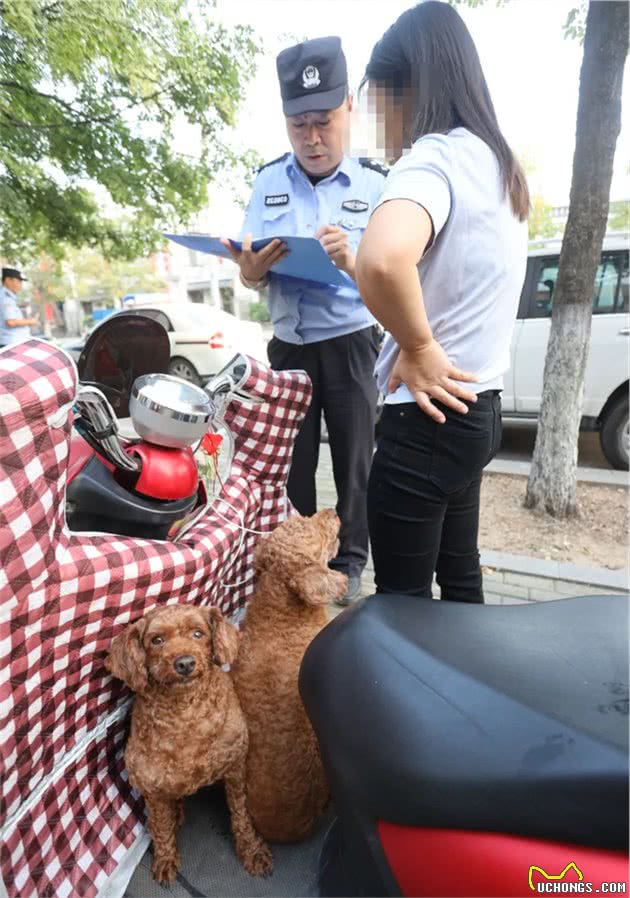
<point>286,786</point>
<point>187,727</point>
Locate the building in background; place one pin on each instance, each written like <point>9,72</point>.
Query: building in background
<point>200,277</point>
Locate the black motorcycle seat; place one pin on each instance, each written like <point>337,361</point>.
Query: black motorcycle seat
<point>510,719</point>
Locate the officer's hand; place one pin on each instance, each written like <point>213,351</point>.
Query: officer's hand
<point>428,374</point>
<point>335,242</point>
<point>254,266</point>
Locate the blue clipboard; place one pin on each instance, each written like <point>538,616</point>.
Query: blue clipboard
<point>307,259</point>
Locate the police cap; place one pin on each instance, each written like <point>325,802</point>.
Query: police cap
<point>12,273</point>
<point>313,76</point>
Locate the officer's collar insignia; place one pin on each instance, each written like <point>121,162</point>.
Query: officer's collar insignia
<point>310,77</point>
<point>355,205</point>
<point>277,199</point>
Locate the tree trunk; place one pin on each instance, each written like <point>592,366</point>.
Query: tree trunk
<point>552,481</point>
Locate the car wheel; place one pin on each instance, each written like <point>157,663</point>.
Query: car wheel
<point>179,367</point>
<point>614,435</point>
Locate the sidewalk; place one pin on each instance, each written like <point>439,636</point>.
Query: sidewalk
<point>513,579</point>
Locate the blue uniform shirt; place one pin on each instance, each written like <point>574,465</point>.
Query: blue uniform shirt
<point>10,311</point>
<point>285,203</point>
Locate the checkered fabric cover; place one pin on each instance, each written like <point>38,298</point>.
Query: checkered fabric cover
<point>67,814</point>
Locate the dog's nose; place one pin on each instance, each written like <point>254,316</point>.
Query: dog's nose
<point>184,665</point>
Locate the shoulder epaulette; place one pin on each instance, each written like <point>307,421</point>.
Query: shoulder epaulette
<point>375,166</point>
<point>273,162</point>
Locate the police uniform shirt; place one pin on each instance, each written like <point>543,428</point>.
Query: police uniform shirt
<point>285,203</point>
<point>10,311</point>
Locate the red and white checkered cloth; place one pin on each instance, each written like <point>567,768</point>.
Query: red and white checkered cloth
<point>67,814</point>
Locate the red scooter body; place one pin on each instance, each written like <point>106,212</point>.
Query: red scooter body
<point>101,497</point>
<point>446,863</point>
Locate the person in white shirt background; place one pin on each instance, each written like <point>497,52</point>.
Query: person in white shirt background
<point>441,266</point>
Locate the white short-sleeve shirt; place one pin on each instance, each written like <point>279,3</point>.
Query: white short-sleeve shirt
<point>473,272</point>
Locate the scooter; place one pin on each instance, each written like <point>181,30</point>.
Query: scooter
<point>473,750</point>
<point>132,468</point>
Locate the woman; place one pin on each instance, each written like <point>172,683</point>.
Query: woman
<point>441,266</point>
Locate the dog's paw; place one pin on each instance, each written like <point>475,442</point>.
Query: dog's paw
<point>165,869</point>
<point>339,583</point>
<point>259,861</point>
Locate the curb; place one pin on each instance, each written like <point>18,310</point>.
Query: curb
<point>601,578</point>
<point>605,476</point>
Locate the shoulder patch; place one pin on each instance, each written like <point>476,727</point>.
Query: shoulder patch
<point>273,162</point>
<point>375,166</point>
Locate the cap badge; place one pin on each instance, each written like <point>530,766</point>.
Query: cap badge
<point>310,77</point>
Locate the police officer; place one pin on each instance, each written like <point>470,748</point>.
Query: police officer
<point>14,326</point>
<point>318,191</point>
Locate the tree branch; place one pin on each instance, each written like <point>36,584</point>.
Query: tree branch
<point>15,85</point>
<point>53,7</point>
<point>100,120</point>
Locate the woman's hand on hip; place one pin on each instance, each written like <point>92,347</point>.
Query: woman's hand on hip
<point>428,374</point>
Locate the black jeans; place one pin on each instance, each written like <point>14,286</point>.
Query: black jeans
<point>423,498</point>
<point>344,389</point>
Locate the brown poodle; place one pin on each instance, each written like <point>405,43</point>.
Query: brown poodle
<point>187,727</point>
<point>286,786</point>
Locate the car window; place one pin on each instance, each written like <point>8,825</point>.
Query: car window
<point>610,293</point>
<point>622,300</point>
<point>607,283</point>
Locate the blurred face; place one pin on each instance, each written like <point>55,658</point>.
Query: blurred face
<point>319,139</point>
<point>13,284</point>
<point>390,112</point>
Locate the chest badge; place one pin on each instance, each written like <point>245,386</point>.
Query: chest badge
<point>355,205</point>
<point>277,199</point>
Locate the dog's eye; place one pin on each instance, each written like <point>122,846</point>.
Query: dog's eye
<point>157,640</point>
<point>197,634</point>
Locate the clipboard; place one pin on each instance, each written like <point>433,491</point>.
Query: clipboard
<point>307,259</point>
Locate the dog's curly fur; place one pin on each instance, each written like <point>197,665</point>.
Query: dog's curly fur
<point>187,727</point>
<point>286,786</point>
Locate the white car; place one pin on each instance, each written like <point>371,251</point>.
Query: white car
<point>203,338</point>
<point>606,381</point>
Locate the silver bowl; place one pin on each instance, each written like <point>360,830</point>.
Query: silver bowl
<point>169,411</point>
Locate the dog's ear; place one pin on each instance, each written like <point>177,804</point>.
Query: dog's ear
<point>275,551</point>
<point>225,638</point>
<point>126,659</point>
<point>317,584</point>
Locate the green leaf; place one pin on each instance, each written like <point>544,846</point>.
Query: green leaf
<point>92,97</point>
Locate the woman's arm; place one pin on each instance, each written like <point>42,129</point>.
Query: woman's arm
<point>386,272</point>
<point>391,247</point>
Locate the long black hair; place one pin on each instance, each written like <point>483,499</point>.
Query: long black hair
<point>430,53</point>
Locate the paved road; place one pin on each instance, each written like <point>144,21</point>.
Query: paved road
<point>518,445</point>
